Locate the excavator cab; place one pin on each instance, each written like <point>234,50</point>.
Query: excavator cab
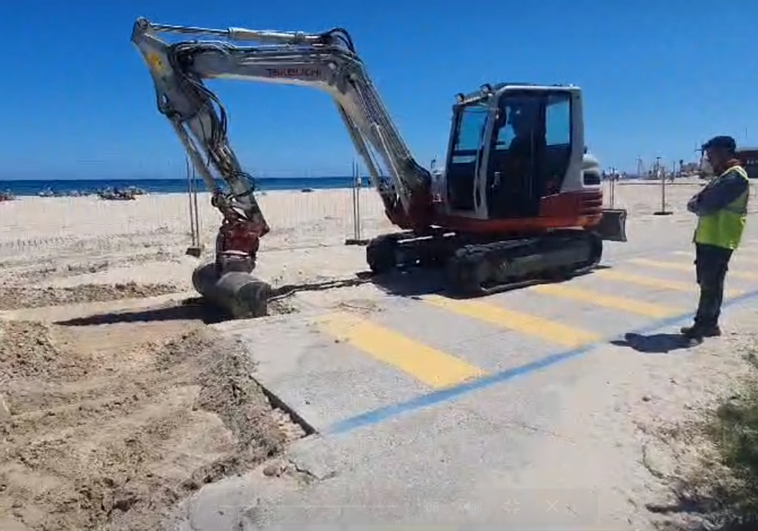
<point>511,147</point>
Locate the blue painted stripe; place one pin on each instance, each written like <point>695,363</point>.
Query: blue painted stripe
<point>381,414</point>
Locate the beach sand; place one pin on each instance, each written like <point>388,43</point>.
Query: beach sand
<point>112,421</point>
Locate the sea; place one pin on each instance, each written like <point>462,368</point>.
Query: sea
<point>166,186</point>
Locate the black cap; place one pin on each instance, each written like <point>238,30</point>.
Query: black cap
<point>721,142</point>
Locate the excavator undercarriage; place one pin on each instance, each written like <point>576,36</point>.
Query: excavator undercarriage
<point>480,266</point>
<point>519,200</point>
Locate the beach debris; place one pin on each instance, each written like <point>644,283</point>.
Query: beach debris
<point>120,194</point>
<point>109,193</point>
<point>6,196</point>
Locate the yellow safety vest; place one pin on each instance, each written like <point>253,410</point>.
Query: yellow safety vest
<point>724,228</point>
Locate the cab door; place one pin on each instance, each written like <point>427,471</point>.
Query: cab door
<point>515,156</point>
<point>465,155</point>
<point>531,151</point>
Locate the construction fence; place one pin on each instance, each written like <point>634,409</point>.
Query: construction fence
<point>299,219</point>
<point>645,196</point>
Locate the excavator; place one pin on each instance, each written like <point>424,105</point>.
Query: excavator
<point>518,201</point>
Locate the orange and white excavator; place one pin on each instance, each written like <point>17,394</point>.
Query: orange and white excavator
<point>519,199</point>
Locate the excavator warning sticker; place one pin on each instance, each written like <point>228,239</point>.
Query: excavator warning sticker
<point>155,62</point>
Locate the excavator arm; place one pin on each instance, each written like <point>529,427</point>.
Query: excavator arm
<point>325,61</point>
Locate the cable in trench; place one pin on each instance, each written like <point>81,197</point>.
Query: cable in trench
<point>287,290</point>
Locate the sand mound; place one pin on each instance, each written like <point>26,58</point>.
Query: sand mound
<point>13,297</point>
<point>111,437</point>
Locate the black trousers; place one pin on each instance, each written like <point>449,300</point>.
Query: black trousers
<point>711,265</point>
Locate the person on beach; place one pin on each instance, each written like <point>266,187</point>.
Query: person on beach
<point>721,207</point>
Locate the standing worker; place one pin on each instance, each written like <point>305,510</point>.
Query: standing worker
<point>721,207</point>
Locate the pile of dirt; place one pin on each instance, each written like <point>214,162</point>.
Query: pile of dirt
<point>19,271</point>
<point>111,437</point>
<point>26,352</point>
<point>14,297</point>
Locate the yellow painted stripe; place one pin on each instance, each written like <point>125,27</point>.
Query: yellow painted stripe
<point>651,282</point>
<point>608,301</point>
<point>654,282</point>
<point>520,322</point>
<point>431,366</point>
<point>678,266</point>
<point>690,254</point>
<point>739,255</point>
<point>740,258</point>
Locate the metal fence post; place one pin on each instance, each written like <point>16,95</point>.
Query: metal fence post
<point>612,190</point>
<point>358,190</point>
<point>355,193</point>
<point>195,249</point>
<point>662,177</point>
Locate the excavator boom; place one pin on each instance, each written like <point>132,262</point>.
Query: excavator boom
<point>325,61</point>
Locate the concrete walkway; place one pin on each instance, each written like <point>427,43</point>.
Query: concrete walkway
<point>506,410</point>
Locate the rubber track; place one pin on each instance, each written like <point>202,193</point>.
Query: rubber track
<point>466,266</point>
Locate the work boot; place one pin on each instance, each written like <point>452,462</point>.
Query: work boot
<point>700,331</point>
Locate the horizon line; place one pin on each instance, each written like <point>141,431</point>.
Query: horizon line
<point>38,179</point>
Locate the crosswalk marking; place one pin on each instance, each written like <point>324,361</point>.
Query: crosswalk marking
<point>738,256</point>
<point>645,280</point>
<point>689,254</point>
<point>661,264</point>
<point>439,369</point>
<point>433,367</point>
<point>527,324</point>
<point>679,266</point>
<point>608,301</point>
<point>653,282</point>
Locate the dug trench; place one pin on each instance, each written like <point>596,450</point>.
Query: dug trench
<point>108,421</point>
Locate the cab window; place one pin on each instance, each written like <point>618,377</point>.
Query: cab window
<point>558,120</point>
<point>469,132</point>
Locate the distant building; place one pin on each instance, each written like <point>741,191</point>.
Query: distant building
<point>749,158</point>
<point>689,168</point>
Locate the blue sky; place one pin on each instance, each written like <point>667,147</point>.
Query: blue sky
<point>658,77</point>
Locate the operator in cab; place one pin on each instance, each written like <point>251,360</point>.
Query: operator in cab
<point>721,208</point>
<point>517,193</point>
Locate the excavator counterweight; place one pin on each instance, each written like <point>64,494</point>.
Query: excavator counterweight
<point>519,199</point>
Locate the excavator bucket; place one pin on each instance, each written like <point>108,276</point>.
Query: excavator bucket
<point>239,293</point>
<point>612,226</point>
